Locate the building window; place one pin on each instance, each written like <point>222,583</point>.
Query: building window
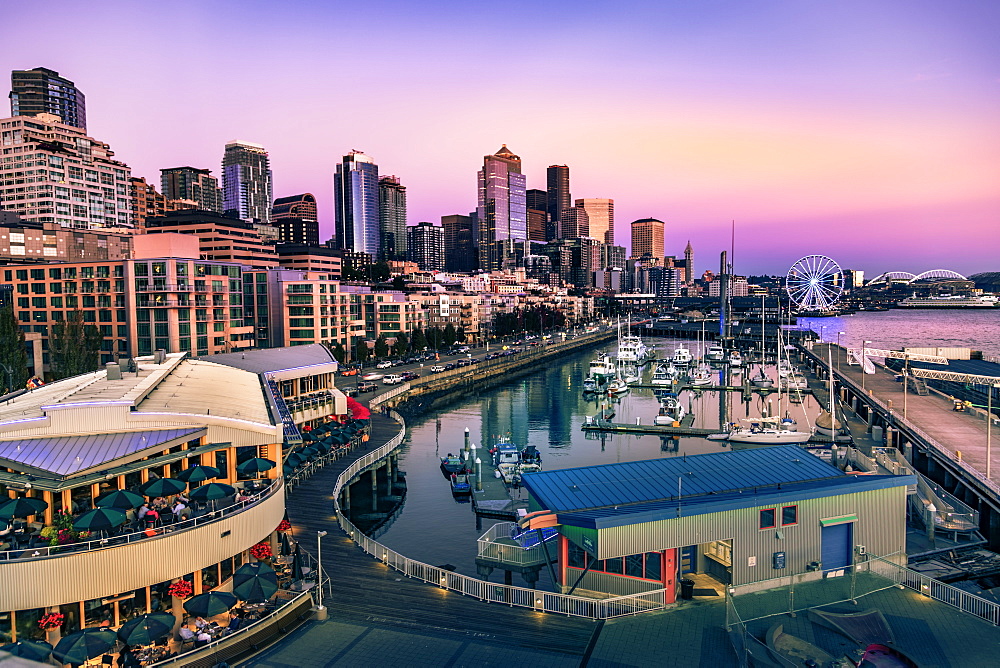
<point>789,515</point>
<point>767,518</point>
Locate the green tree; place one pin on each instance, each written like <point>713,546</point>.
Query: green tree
<point>74,347</point>
<point>379,272</point>
<point>449,336</point>
<point>401,345</point>
<point>381,347</point>
<point>13,354</point>
<point>399,283</point>
<point>361,350</point>
<point>460,334</point>
<point>417,339</point>
<point>339,352</point>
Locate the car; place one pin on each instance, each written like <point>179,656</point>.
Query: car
<point>367,386</point>
<point>349,371</point>
<point>371,376</point>
<point>449,366</point>
<point>437,368</point>
<point>410,375</point>
<point>392,379</point>
<point>385,364</point>
<point>462,363</point>
<point>352,391</point>
<point>398,362</point>
<point>474,360</point>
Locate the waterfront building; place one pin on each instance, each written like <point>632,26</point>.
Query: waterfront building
<point>392,219</point>
<point>600,218</point>
<point>246,182</point>
<point>43,91</point>
<point>193,185</point>
<point>26,242</point>
<point>559,198</point>
<point>744,519</point>
<point>461,243</point>
<point>146,202</point>
<point>55,173</point>
<point>356,204</point>
<point>221,238</point>
<point>502,211</point>
<point>426,246</point>
<point>647,238</point>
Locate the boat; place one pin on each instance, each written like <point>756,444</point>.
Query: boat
<point>452,464</point>
<point>825,425</point>
<point>950,301</point>
<point>763,431</point>
<point>735,359</point>
<point>631,348</point>
<point>602,368</point>
<point>661,376</point>
<point>715,353</point>
<point>460,485</point>
<point>761,380</point>
<point>591,385</point>
<point>785,368</point>
<point>671,411</point>
<point>701,376</point>
<point>629,373</point>
<point>682,356</point>
<point>794,381</point>
<point>531,455</point>
<point>617,386</point>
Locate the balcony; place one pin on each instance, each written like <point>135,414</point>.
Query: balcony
<point>128,561</point>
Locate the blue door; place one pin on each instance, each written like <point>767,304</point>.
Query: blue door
<point>688,559</point>
<point>836,549</point>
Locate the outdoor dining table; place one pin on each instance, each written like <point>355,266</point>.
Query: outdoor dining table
<point>150,653</point>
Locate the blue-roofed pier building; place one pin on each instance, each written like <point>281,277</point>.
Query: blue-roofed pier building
<point>746,519</point>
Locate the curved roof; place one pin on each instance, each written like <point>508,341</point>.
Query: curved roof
<point>939,274</point>
<point>904,276</point>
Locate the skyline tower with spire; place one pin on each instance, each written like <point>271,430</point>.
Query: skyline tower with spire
<point>502,210</point>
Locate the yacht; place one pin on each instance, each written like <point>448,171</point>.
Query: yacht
<point>671,411</point>
<point>591,384</point>
<point>682,356</point>
<point>715,353</point>
<point>664,374</point>
<point>602,368</point>
<point>761,380</point>
<point>632,349</point>
<point>794,381</point>
<point>735,359</point>
<point>763,432</point>
<point>630,374</point>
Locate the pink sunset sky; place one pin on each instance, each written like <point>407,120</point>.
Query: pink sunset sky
<point>865,130</point>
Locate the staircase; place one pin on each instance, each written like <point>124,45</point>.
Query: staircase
<point>917,385</point>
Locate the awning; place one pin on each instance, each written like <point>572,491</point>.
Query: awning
<point>358,412</point>
<point>843,519</point>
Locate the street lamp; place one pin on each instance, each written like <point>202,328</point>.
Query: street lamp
<point>838,349</point>
<point>864,358</point>
<point>319,572</point>
<point>989,426</point>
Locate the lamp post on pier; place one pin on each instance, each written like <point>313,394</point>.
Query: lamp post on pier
<point>320,610</point>
<point>989,427</point>
<point>864,358</point>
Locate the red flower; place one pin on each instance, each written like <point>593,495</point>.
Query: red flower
<point>261,551</point>
<point>180,589</point>
<point>52,620</point>
<point>284,525</point>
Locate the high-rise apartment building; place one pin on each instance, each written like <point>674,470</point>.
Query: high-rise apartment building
<point>392,218</point>
<point>502,211</point>
<point>356,204</point>
<point>426,246</point>
<point>146,202</point>
<point>461,234</point>
<point>22,242</point>
<point>688,264</point>
<point>538,216</point>
<point>296,219</point>
<point>246,182</point>
<point>559,198</point>
<point>51,172</point>
<point>42,91</point>
<point>600,217</point>
<point>196,185</point>
<point>647,238</point>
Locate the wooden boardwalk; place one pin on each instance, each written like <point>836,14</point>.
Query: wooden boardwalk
<point>368,593</point>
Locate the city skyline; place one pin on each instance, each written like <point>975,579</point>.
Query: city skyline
<point>863,131</point>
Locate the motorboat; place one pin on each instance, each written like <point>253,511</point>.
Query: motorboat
<point>452,464</point>
<point>761,380</point>
<point>617,386</point>
<point>631,348</point>
<point>793,381</point>
<point>460,485</point>
<point>591,385</point>
<point>660,375</point>
<point>671,411</point>
<point>701,376</point>
<point>682,356</point>
<point>715,353</point>
<point>735,359</point>
<point>602,368</point>
<point>630,374</point>
<point>531,455</point>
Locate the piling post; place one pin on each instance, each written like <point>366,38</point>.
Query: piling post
<point>479,474</point>
<point>466,444</point>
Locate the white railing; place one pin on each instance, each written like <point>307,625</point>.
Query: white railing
<point>509,552</point>
<point>522,597</point>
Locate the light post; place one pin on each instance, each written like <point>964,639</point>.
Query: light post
<point>989,427</point>
<point>838,349</point>
<point>864,358</point>
<point>320,610</point>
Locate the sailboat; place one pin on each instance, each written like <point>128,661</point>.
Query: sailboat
<point>762,431</point>
<point>735,359</point>
<point>827,423</point>
<point>629,372</point>
<point>701,376</point>
<point>761,380</point>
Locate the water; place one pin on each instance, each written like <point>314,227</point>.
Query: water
<point>547,409</point>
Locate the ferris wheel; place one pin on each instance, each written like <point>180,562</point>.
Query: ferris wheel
<point>814,283</point>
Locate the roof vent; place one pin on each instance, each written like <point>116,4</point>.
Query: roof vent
<point>114,371</point>
<point>160,356</point>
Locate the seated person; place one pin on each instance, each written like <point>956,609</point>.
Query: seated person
<point>235,622</point>
<point>200,622</point>
<point>151,517</point>
<point>186,634</point>
<point>202,638</point>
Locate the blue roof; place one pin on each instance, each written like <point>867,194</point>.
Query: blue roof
<point>611,485</point>
<point>69,455</point>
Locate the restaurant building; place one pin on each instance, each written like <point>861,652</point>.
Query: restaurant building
<point>744,519</point>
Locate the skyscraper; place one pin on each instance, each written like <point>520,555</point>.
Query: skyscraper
<point>461,234</point>
<point>557,179</point>
<point>426,246</point>
<point>538,217</point>
<point>502,211</point>
<point>575,224</point>
<point>191,183</point>
<point>42,91</point>
<point>356,204</point>
<point>647,238</point>
<point>689,264</point>
<point>302,207</point>
<point>601,217</point>
<point>246,182</point>
<point>392,218</point>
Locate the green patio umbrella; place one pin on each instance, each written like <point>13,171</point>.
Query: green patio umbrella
<point>294,459</point>
<point>32,650</point>
<point>83,645</point>
<point>99,519</point>
<point>120,498</point>
<point>162,487</point>
<point>212,491</point>
<point>254,466</point>
<point>22,506</point>
<point>287,470</point>
<point>197,474</point>
<point>147,628</point>
<point>255,583</point>
<point>210,603</point>
<point>323,447</point>
<point>307,436</point>
<point>311,452</point>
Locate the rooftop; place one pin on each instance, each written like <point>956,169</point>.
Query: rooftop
<point>274,359</point>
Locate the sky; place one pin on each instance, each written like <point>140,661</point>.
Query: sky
<point>865,130</point>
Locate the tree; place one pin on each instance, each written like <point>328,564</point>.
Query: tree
<point>449,336</point>
<point>339,353</point>
<point>398,283</point>
<point>401,345</point>
<point>434,337</point>
<point>361,350</point>
<point>13,356</point>
<point>417,339</point>
<point>460,334</point>
<point>379,272</point>
<point>381,347</point>
<point>74,347</point>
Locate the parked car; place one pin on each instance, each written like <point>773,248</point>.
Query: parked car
<point>474,360</point>
<point>352,391</point>
<point>371,376</point>
<point>384,364</point>
<point>392,379</point>
<point>367,386</point>
<point>437,368</point>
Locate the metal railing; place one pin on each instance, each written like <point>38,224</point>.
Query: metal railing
<point>509,552</point>
<point>531,599</point>
<point>139,535</point>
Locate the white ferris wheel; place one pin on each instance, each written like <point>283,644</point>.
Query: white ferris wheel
<point>814,283</point>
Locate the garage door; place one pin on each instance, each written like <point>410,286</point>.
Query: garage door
<point>837,542</point>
